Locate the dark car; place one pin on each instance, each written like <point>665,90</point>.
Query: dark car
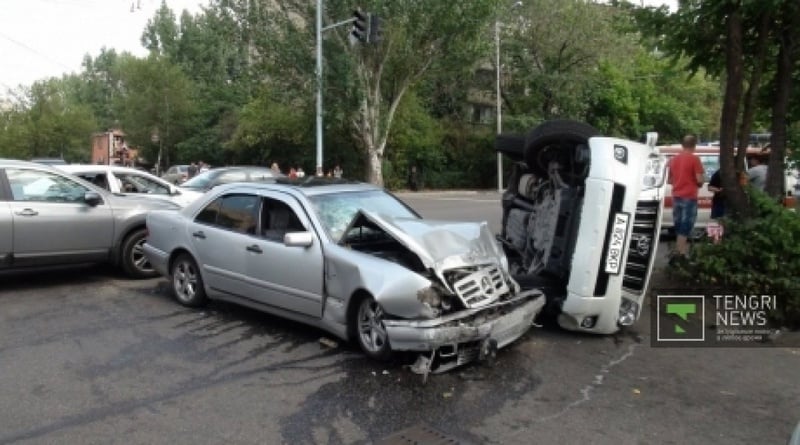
<point>226,175</point>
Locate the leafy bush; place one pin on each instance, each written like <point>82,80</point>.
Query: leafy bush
<point>758,256</point>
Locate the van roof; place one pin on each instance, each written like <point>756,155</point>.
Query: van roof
<point>708,150</point>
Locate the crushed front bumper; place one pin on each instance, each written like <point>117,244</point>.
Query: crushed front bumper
<point>501,322</point>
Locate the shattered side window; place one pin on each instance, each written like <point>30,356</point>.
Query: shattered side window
<point>336,210</point>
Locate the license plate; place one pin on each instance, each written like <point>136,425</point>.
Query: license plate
<point>616,243</point>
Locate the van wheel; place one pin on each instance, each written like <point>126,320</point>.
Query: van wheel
<point>558,140</point>
<point>134,262</point>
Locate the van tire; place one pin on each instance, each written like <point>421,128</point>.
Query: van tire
<point>563,135</point>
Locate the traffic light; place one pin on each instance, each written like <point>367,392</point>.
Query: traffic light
<point>375,31</point>
<point>360,26</point>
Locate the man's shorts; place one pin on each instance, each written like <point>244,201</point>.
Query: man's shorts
<point>684,215</point>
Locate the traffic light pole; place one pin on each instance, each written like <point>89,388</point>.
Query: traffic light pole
<point>319,88</point>
<point>319,80</point>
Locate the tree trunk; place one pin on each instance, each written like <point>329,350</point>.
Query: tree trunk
<point>748,112</point>
<point>736,201</point>
<point>374,166</point>
<point>783,86</point>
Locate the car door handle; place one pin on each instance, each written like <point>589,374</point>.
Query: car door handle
<point>199,234</point>
<point>27,212</point>
<point>254,248</point>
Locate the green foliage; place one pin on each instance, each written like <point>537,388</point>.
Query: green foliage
<point>161,33</point>
<point>99,86</point>
<point>235,84</point>
<point>416,139</point>
<point>364,84</point>
<point>469,160</point>
<point>271,130</point>
<point>550,53</point>
<point>157,99</point>
<point>760,255</point>
<point>51,124</point>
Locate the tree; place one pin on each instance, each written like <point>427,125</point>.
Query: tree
<point>788,37</point>
<point>271,130</point>
<point>418,39</point>
<point>156,99</point>
<point>734,42</point>
<point>416,140</point>
<point>49,123</point>
<point>161,33</point>
<point>649,93</point>
<point>214,50</point>
<point>550,53</point>
<point>99,85</point>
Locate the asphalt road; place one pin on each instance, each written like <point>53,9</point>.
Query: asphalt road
<point>89,357</point>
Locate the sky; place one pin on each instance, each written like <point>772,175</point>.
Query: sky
<point>48,38</point>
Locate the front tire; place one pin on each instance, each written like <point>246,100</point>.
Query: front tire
<point>187,284</point>
<point>370,330</point>
<point>134,262</point>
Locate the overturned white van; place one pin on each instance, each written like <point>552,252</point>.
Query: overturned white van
<point>581,220</point>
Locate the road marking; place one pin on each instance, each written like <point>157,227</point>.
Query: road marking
<point>459,199</point>
<point>586,391</point>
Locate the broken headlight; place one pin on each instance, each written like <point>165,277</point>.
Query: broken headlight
<point>436,300</point>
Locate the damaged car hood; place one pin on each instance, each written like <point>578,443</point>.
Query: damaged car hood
<point>441,245</point>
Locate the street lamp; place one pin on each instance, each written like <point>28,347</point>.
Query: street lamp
<point>319,87</point>
<point>499,105</point>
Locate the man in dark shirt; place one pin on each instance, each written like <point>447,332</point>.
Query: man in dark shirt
<point>717,200</point>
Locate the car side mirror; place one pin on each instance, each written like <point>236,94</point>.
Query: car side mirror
<point>92,198</point>
<point>173,191</point>
<point>298,239</point>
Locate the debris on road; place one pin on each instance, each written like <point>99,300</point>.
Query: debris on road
<point>328,342</point>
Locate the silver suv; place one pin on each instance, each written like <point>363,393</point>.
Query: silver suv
<point>54,218</point>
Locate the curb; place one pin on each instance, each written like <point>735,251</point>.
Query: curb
<point>443,192</point>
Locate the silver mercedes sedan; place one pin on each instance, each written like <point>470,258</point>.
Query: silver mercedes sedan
<point>351,259</point>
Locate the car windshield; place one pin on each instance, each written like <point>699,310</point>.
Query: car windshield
<point>201,181</point>
<point>336,210</point>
